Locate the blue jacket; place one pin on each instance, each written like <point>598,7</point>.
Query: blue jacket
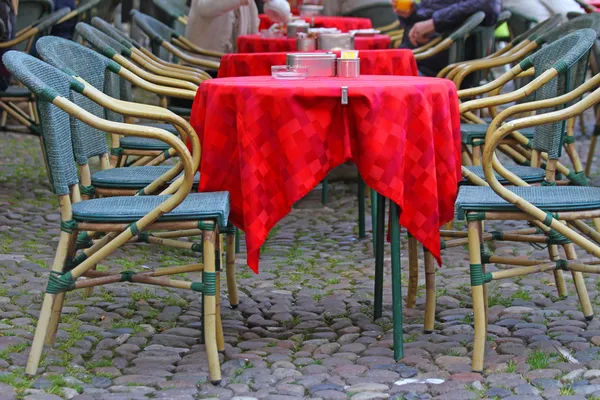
<point>450,14</point>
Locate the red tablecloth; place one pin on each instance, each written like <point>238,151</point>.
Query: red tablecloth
<point>270,142</point>
<point>372,62</point>
<point>344,24</point>
<point>259,44</point>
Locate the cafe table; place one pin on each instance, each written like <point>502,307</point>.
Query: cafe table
<point>259,44</point>
<point>344,24</point>
<point>269,142</point>
<point>372,62</point>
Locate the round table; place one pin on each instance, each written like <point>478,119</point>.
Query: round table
<point>372,62</point>
<point>259,44</point>
<point>269,142</point>
<point>344,24</point>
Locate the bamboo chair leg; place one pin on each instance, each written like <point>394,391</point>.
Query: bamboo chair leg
<point>361,209</point>
<point>232,289</point>
<point>474,228</point>
<point>210,320</point>
<point>477,155</point>
<point>579,282</point>
<point>430,291</point>
<point>592,149</point>
<point>219,325</point>
<point>41,330</point>
<point>559,278</point>
<point>59,300</point>
<point>413,272</point>
<point>3,119</point>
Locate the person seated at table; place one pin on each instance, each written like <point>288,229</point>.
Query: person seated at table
<point>216,24</point>
<point>541,10</point>
<point>430,18</point>
<point>380,12</point>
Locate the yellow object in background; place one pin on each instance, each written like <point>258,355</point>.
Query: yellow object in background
<point>349,54</point>
<point>404,5</point>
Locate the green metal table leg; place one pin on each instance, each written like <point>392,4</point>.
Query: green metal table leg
<point>361,208</point>
<point>237,241</point>
<point>325,191</point>
<point>396,282</point>
<point>379,241</point>
<point>374,216</point>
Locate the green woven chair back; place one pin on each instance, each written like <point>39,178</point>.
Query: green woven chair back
<point>169,11</point>
<point>591,21</point>
<point>108,47</point>
<point>156,31</point>
<point>539,29</point>
<point>483,38</point>
<point>569,56</point>
<point>31,11</point>
<point>45,24</point>
<point>114,33</point>
<point>47,82</point>
<point>459,37</point>
<point>519,23</point>
<point>77,60</point>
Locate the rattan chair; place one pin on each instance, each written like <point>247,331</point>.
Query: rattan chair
<point>518,175</point>
<point>146,59</point>
<point>23,41</point>
<point>30,13</point>
<point>176,45</point>
<point>175,12</point>
<point>83,63</point>
<point>558,69</point>
<point>123,217</point>
<point>148,151</point>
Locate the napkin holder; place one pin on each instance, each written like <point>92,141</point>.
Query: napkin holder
<point>336,41</point>
<point>318,64</point>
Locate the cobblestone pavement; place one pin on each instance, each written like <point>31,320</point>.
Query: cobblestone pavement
<point>304,327</point>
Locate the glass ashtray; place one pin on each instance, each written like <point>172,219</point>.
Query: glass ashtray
<point>288,72</point>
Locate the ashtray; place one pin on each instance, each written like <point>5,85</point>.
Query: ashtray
<point>289,72</point>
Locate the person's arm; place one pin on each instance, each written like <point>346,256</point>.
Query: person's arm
<point>451,17</point>
<point>215,8</point>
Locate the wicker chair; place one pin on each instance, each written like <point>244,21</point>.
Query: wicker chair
<point>146,59</point>
<point>122,217</point>
<point>518,175</point>
<point>23,41</point>
<point>175,13</point>
<point>163,37</point>
<point>148,151</point>
<point>83,63</point>
<point>558,68</point>
<point>30,13</point>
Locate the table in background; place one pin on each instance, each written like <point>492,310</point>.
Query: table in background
<point>259,44</point>
<point>344,24</point>
<point>372,62</point>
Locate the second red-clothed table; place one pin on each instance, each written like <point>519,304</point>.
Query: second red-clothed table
<point>344,24</point>
<point>258,44</point>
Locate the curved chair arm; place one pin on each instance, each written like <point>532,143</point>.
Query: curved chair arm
<point>43,25</point>
<point>493,140</point>
<point>518,94</point>
<point>80,9</point>
<point>189,59</point>
<point>496,62</point>
<point>141,131</point>
<point>150,65</point>
<point>438,48</point>
<point>429,45</point>
<point>151,77</point>
<point>147,112</point>
<point>199,50</point>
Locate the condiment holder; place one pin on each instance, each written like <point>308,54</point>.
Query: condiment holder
<point>306,42</point>
<point>336,41</point>
<point>348,67</point>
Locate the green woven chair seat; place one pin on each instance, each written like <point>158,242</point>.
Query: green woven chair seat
<point>16,92</point>
<point>528,174</point>
<point>195,207</point>
<point>476,132</point>
<point>182,111</point>
<point>547,198</point>
<point>167,127</point>
<point>131,177</point>
<point>141,143</point>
